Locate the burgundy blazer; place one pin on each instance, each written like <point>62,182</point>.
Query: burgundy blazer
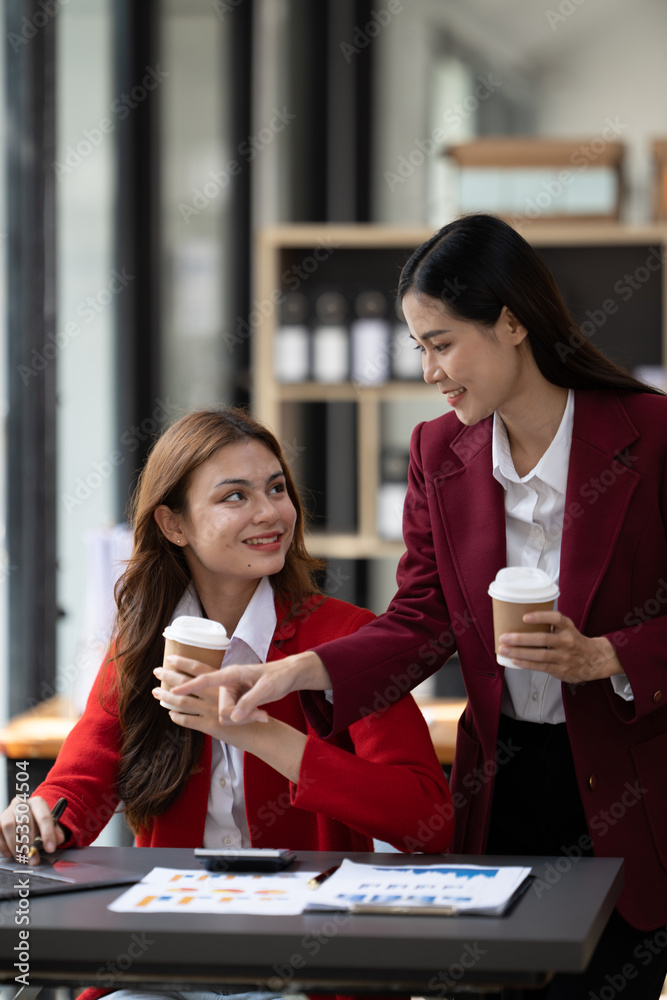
<point>613,582</point>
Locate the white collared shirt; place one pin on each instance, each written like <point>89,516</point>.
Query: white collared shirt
<point>534,511</point>
<point>226,822</point>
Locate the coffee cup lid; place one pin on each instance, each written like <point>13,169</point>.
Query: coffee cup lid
<point>523,584</point>
<point>193,631</point>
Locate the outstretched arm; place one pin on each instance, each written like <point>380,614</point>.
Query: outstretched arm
<point>243,688</point>
<point>276,743</point>
<point>390,787</point>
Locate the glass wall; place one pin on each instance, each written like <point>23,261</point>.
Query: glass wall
<point>194,367</point>
<point>196,159</point>
<point>88,116</point>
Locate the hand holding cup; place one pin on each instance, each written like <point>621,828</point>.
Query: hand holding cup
<point>515,592</point>
<point>196,639</point>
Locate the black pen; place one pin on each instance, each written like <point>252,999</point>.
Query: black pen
<point>56,813</point>
<point>322,877</point>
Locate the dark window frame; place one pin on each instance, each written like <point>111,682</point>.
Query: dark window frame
<point>32,351</point>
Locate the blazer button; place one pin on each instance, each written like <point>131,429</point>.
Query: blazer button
<point>592,782</point>
<point>657,696</point>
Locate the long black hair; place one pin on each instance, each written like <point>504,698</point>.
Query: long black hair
<point>478,264</point>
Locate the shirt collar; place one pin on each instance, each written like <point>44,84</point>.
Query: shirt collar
<point>258,621</point>
<point>552,467</point>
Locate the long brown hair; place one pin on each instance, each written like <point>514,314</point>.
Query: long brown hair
<point>157,756</point>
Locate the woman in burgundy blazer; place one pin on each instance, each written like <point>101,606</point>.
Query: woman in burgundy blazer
<point>497,338</point>
<point>613,583</point>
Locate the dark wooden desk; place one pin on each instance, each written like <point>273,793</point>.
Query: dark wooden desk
<point>76,941</point>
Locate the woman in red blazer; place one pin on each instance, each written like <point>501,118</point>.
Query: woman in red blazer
<point>218,533</point>
<point>551,456</point>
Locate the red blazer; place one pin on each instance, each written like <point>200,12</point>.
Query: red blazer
<point>613,582</point>
<point>379,779</point>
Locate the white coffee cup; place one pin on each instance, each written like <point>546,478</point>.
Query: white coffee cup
<point>515,592</point>
<point>196,638</point>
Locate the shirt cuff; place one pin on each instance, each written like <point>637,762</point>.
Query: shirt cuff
<point>622,687</point>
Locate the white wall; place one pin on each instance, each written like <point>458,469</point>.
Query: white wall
<point>616,70</point>
<point>604,60</point>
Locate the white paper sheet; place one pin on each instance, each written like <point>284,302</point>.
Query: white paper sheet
<point>446,888</point>
<point>179,890</point>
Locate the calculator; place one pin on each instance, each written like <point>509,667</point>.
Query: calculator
<point>244,859</point>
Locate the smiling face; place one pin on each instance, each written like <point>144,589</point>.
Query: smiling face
<point>478,372</point>
<point>239,521</point>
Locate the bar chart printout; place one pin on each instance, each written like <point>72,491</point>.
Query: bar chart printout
<point>436,889</point>
<point>175,890</point>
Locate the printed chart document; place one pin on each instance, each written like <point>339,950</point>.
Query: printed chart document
<point>420,889</point>
<point>176,890</point>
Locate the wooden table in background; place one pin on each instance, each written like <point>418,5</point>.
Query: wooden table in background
<point>40,732</point>
<point>442,715</point>
<point>37,735</point>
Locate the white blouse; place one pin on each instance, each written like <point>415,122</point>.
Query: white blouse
<point>534,511</point>
<point>226,822</point>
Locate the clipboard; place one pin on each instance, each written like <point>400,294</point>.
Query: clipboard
<point>438,889</point>
<point>438,911</point>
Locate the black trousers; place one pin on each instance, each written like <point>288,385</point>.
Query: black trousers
<point>537,810</point>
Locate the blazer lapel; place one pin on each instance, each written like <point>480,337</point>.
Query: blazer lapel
<point>472,508</point>
<point>600,485</point>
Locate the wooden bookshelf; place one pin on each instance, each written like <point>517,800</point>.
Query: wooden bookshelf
<point>274,256</point>
<point>532,151</point>
<point>566,156</point>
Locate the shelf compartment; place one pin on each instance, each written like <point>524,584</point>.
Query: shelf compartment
<point>316,392</point>
<point>329,546</point>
